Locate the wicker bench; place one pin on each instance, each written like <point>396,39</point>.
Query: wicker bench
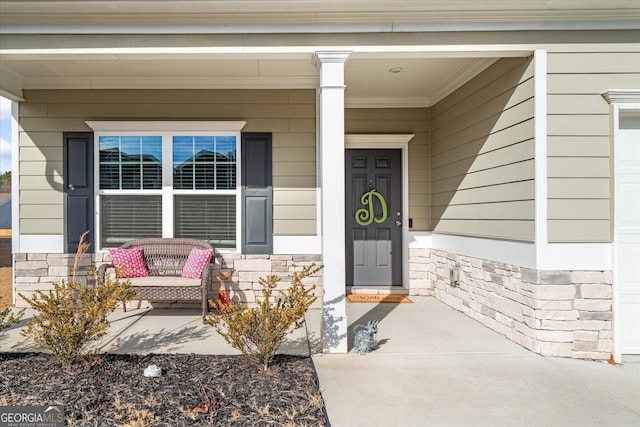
<point>164,259</point>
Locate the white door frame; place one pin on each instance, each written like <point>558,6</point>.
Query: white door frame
<point>391,141</point>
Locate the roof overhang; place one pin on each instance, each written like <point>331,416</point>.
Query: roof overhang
<point>312,16</point>
<point>269,44</point>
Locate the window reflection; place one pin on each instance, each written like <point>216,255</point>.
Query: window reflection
<point>204,162</point>
<point>130,162</point>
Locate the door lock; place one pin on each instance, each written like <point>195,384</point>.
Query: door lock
<point>398,223</point>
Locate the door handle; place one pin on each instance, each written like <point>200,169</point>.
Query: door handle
<point>398,223</point>
<point>71,187</point>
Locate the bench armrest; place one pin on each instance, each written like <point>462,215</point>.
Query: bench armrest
<point>102,270</point>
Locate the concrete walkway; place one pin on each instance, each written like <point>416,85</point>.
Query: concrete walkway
<point>437,367</point>
<point>434,367</point>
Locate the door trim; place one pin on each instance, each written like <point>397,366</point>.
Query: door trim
<point>622,102</point>
<point>391,141</point>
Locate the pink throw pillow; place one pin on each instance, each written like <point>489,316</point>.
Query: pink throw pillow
<point>130,261</point>
<point>198,258</point>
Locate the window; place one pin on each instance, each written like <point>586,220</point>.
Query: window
<point>168,183</point>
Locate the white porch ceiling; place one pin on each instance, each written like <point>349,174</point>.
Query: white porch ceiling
<point>369,82</point>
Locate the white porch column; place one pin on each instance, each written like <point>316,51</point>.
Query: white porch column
<point>332,187</point>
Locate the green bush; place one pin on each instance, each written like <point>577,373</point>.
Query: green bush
<point>258,332</point>
<point>7,318</point>
<point>73,315</point>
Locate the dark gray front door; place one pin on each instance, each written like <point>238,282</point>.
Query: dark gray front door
<point>374,217</point>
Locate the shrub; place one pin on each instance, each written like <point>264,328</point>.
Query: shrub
<point>7,318</point>
<point>258,332</point>
<point>72,315</point>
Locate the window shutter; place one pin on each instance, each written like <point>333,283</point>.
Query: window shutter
<point>257,194</point>
<point>78,189</point>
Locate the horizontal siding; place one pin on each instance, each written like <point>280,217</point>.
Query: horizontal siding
<point>288,114</point>
<point>28,211</point>
<point>581,188</point>
<point>487,211</point>
<point>521,190</point>
<point>289,227</point>
<point>482,155</point>
<point>579,172</point>
<point>407,121</point>
<point>576,230</point>
<point>41,225</point>
<point>587,208</point>
<point>497,229</point>
<point>582,146</point>
<point>190,110</point>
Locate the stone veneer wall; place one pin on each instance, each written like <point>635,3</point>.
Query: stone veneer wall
<point>553,313</point>
<point>38,271</point>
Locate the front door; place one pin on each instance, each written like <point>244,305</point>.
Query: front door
<point>373,217</point>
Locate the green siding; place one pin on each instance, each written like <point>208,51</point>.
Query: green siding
<point>288,114</point>
<point>482,164</point>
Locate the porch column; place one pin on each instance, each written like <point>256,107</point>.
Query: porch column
<point>330,117</point>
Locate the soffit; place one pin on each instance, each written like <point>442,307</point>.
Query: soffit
<point>369,81</point>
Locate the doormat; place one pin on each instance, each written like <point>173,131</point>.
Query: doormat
<point>378,298</point>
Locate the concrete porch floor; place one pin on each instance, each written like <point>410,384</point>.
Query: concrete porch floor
<point>434,366</point>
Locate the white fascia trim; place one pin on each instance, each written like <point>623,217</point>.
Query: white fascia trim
<point>42,243</point>
<point>387,103</point>
<point>309,27</point>
<point>276,52</point>
<point>578,256</point>
<point>504,251</point>
<point>294,82</point>
<point>377,140</point>
<point>166,126</point>
<point>563,256</point>
<point>297,245</point>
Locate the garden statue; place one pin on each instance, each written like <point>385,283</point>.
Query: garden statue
<point>364,340</point>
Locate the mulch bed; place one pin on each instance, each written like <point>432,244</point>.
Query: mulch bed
<point>194,390</point>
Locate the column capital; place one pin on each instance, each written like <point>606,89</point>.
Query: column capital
<point>330,56</point>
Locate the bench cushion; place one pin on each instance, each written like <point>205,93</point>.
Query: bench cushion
<point>161,281</point>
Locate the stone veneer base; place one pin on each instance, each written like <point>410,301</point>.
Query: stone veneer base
<point>553,313</point>
<point>38,271</point>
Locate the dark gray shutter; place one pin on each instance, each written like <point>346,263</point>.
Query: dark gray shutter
<point>79,212</point>
<point>257,194</point>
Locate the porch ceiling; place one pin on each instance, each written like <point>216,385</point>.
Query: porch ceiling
<point>397,81</point>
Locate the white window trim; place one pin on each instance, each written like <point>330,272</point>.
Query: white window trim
<point>167,130</point>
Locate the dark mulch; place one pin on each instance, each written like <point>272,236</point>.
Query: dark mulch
<point>111,390</point>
